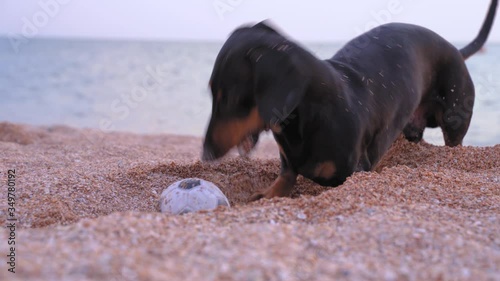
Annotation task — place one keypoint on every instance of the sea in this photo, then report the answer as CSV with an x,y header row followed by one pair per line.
x,y
162,87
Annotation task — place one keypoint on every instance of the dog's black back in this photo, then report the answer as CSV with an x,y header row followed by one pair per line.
x,y
333,117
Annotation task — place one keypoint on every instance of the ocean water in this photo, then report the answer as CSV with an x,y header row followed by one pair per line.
x,y
161,87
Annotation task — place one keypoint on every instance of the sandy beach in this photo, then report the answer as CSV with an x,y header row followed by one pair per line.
x,y
87,209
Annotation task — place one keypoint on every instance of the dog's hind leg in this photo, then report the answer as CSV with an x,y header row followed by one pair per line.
x,y
457,93
414,130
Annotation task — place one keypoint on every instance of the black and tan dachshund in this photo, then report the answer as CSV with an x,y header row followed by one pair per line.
x,y
334,117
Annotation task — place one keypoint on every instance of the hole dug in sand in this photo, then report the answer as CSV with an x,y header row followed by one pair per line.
x,y
238,178
409,173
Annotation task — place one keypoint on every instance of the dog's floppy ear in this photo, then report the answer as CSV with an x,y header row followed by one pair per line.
x,y
279,84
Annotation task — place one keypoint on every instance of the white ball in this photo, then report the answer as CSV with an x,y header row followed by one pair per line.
x,y
191,195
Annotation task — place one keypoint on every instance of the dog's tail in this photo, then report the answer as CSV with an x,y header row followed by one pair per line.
x,y
479,41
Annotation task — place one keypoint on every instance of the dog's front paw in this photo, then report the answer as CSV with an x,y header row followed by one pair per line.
x,y
269,193
256,197
281,187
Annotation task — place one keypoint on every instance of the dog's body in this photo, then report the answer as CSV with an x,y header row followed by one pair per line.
x,y
334,117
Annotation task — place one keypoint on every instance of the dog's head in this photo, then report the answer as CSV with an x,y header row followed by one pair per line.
x,y
257,81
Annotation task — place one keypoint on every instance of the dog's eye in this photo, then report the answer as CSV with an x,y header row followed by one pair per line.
x,y
236,101
247,101
232,100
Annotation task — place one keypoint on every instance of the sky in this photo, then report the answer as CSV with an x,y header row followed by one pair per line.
x,y
312,21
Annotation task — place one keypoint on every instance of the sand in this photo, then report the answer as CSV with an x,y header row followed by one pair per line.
x,y
87,208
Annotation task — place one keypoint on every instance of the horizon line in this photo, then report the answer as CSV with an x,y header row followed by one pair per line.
x,y
186,40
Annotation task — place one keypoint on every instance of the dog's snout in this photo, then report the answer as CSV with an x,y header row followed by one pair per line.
x,y
211,151
208,154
